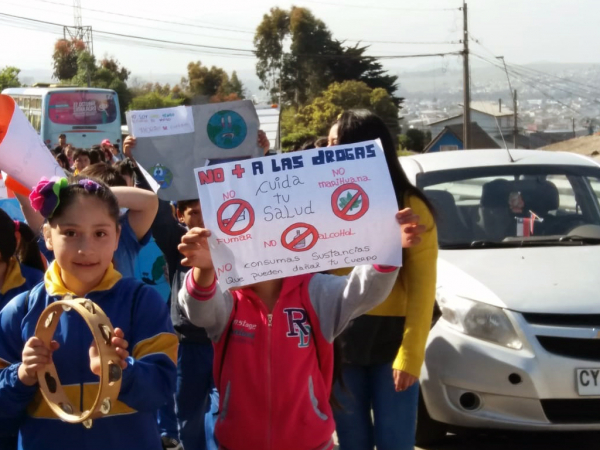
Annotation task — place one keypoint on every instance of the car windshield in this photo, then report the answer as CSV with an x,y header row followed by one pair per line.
x,y
515,205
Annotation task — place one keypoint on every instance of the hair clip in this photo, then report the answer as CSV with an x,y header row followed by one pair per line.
x,y
17,225
90,185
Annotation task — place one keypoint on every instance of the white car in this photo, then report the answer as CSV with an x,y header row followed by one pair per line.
x,y
517,346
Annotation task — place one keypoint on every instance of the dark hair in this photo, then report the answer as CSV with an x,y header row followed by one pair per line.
x,y
105,173
362,125
63,135
63,161
57,150
68,195
126,167
182,205
28,252
80,152
96,156
321,142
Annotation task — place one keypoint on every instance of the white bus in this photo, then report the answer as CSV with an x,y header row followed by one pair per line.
x,y
85,115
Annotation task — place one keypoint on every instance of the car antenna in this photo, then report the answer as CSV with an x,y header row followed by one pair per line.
x,y
504,140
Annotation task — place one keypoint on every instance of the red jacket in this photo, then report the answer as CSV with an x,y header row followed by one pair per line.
x,y
274,371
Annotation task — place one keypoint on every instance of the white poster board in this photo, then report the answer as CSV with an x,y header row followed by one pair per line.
x,y
23,154
171,142
297,213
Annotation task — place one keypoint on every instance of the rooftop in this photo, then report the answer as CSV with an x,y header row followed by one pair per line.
x,y
585,145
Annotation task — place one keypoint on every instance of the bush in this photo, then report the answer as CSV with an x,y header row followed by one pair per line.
x,y
294,140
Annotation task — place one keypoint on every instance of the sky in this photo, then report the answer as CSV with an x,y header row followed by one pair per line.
x,y
523,31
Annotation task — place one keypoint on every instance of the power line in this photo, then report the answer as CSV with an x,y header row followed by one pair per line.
x,y
386,8
403,42
532,85
129,24
134,37
211,27
588,91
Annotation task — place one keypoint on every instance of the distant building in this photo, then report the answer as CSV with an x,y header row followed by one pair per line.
x,y
451,138
493,118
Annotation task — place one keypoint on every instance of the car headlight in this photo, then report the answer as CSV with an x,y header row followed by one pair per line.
x,y
479,320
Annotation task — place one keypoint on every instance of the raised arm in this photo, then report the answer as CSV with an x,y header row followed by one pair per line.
x,y
34,219
142,206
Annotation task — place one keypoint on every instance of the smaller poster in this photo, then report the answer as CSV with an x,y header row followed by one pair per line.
x,y
171,142
161,122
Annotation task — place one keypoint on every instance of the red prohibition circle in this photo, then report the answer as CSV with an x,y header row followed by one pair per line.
x,y
343,213
310,230
226,225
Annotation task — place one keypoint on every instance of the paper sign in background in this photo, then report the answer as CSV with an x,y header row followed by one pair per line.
x,y
298,213
171,142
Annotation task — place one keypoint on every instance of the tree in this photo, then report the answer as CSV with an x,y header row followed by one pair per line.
x,y
314,61
9,77
318,116
107,75
154,100
268,41
414,140
214,84
65,58
204,81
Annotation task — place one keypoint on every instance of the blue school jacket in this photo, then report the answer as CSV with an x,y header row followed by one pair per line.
x,y
148,381
19,278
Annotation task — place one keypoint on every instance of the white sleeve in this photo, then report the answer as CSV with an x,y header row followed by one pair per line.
x,y
339,299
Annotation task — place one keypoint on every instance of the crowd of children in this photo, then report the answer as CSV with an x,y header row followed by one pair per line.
x,y
207,369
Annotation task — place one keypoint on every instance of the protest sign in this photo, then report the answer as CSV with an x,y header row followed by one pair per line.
x,y
23,154
171,142
299,213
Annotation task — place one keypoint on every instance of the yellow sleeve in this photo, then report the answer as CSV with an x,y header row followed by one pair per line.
x,y
418,275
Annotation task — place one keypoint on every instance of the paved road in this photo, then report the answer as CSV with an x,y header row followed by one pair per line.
x,y
520,441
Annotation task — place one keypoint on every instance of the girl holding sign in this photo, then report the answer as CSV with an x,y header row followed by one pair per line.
x,y
82,228
383,350
273,345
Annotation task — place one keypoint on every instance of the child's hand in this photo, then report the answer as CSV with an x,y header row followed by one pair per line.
x,y
35,357
120,345
410,228
194,248
263,141
128,145
403,380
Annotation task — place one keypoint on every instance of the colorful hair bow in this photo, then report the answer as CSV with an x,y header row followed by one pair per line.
x,y
45,197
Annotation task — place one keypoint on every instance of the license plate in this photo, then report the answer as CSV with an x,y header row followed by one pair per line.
x,y
588,381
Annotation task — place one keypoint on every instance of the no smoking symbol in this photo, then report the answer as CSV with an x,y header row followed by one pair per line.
x,y
299,237
350,202
235,217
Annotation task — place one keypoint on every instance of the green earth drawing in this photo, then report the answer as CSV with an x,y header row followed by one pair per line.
x,y
227,129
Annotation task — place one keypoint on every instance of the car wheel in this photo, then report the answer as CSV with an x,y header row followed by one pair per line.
x,y
429,431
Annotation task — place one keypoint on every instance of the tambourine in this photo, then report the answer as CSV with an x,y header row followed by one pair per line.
x,y
111,373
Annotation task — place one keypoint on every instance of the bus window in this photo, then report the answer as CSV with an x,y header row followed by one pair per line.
x,y
82,108
36,103
25,103
36,121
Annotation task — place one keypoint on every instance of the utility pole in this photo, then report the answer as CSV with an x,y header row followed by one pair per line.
x,y
516,126
574,133
80,33
466,82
